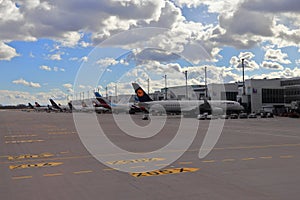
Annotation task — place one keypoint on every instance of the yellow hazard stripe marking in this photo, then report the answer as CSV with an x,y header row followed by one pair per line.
x,y
37,165
142,160
164,172
29,156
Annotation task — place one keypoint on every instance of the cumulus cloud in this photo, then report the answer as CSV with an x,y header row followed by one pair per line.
x,y
67,85
21,97
83,59
277,56
273,6
7,52
286,73
46,68
188,3
56,56
272,65
249,64
105,62
55,69
21,81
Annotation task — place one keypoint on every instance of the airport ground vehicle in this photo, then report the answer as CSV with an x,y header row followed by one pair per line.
x,y
243,116
202,116
252,115
234,116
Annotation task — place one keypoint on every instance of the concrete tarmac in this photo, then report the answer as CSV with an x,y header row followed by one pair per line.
x,y
42,157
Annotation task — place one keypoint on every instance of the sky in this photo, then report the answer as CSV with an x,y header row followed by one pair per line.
x,y
59,49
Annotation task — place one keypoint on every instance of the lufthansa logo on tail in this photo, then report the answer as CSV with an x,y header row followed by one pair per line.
x,y
140,93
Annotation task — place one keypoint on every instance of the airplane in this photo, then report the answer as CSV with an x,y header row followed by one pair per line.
x,y
61,108
117,108
93,105
88,105
186,107
39,108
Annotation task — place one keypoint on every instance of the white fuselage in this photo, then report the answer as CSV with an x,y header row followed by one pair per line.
x,y
175,106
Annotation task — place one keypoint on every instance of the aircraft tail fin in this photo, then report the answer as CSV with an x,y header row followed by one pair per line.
x,y
97,94
71,106
104,103
141,94
37,104
54,104
30,105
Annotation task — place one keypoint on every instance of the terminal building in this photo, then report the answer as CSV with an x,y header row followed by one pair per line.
x,y
271,95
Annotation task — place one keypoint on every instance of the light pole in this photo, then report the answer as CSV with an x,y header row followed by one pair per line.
x,y
243,66
116,93
106,92
166,93
186,90
205,81
148,80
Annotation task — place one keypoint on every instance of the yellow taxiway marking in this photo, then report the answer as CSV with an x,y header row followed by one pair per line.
x,y
228,160
259,147
29,156
135,167
266,157
142,160
23,141
50,175
21,177
209,161
61,133
185,163
289,156
4,156
110,169
161,165
64,152
245,159
16,136
164,172
83,172
38,165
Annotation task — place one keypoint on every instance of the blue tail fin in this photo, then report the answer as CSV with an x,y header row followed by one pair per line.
x,y
141,94
97,94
